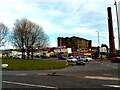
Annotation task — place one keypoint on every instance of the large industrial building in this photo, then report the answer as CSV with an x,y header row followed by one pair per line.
x,y
74,42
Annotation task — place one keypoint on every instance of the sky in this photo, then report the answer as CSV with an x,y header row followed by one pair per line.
x,y
63,18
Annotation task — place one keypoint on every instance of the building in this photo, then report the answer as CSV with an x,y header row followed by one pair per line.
x,y
74,42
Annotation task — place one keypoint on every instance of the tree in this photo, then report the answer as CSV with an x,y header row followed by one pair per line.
x,y
18,36
3,33
29,36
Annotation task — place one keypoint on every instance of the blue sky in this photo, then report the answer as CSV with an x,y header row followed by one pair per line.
x,y
63,18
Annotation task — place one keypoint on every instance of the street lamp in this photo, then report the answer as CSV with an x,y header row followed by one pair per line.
x,y
98,38
98,44
117,25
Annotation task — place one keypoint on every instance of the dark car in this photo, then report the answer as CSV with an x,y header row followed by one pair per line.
x,y
44,56
80,62
62,58
115,59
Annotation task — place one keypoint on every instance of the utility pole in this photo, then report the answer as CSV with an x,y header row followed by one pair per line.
x,y
98,44
117,25
98,38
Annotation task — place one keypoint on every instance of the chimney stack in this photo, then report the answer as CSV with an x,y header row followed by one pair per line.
x,y
111,34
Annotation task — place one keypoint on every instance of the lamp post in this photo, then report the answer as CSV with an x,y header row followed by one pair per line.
x,y
98,44
117,25
98,38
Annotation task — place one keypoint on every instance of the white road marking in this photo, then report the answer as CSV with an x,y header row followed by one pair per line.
x,y
43,74
25,84
115,86
101,78
20,74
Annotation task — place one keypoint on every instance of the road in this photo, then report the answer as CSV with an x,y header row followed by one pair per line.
x,y
95,74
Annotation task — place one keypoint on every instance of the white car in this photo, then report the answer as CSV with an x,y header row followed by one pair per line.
x,y
86,58
71,59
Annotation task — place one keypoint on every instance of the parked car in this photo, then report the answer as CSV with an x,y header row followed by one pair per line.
x,y
80,62
71,59
78,57
86,58
62,58
17,56
115,59
37,55
44,56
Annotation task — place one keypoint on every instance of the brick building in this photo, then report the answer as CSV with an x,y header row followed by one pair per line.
x,y
74,43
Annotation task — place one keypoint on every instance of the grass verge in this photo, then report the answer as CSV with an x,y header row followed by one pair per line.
x,y
21,64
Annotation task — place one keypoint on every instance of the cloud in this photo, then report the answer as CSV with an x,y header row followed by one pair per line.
x,y
55,12
62,17
10,10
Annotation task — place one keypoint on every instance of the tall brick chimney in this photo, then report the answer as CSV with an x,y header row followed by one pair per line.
x,y
111,34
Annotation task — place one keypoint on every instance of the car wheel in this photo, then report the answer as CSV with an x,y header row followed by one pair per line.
x,y
84,64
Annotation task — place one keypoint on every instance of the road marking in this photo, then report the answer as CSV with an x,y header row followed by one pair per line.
x,y
101,78
20,74
115,86
43,74
25,84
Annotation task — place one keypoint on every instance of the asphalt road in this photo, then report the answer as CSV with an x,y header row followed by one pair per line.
x,y
95,74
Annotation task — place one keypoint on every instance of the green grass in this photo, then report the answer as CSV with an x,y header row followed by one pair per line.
x,y
21,64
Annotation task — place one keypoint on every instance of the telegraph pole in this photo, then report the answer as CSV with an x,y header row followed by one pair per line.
x,y
117,25
98,44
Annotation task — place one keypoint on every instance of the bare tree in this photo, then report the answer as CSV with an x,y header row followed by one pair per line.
x,y
35,38
39,39
29,36
3,33
18,36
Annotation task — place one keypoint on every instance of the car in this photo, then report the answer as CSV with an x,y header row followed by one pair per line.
x,y
44,56
62,58
80,62
71,59
78,57
86,58
115,59
36,55
17,56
